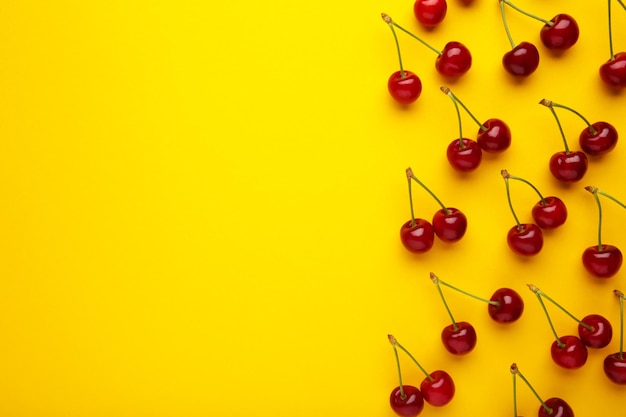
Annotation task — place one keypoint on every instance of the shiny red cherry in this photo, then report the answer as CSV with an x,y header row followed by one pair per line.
x,y
454,61
525,239
417,236
615,367
459,339
549,213
409,405
450,224
522,60
599,335
464,155
562,34
613,71
495,138
569,352
404,86
602,141
438,388
430,12
569,166
558,406
509,308
602,262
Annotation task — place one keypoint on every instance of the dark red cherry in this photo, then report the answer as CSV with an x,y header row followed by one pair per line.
x,y
571,353
525,239
510,306
464,154
568,166
601,333
602,262
454,61
449,224
497,137
615,367
430,12
550,213
438,389
603,141
417,236
404,90
613,71
410,405
559,408
562,34
459,339
522,60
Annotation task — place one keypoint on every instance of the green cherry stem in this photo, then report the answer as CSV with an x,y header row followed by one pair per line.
x,y
514,394
506,177
610,197
411,176
513,177
506,26
547,22
547,297
446,91
549,105
545,310
620,295
610,31
621,3
435,280
594,192
395,343
515,371
435,50
388,20
442,282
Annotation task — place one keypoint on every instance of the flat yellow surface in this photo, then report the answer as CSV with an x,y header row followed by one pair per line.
x,y
201,204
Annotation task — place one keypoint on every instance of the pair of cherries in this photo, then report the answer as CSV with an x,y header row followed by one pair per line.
x,y
418,235
550,212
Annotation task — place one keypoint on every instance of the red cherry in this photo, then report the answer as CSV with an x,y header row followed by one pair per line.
x,y
525,239
522,60
464,154
602,262
613,71
562,34
495,137
558,406
410,404
430,12
509,308
549,213
595,331
450,224
459,339
454,61
404,89
598,139
568,166
417,235
569,352
615,368
438,388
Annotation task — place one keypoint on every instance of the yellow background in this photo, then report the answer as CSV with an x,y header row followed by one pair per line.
x,y
201,204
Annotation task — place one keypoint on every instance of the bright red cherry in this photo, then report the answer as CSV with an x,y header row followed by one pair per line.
x,y
615,364
595,331
549,212
509,307
525,239
552,407
417,235
598,138
569,352
464,154
454,61
568,166
522,60
613,71
406,401
430,13
404,86
561,33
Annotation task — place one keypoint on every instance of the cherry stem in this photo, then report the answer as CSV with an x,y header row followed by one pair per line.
x,y
547,297
543,200
388,20
435,50
514,394
394,342
458,116
549,105
506,177
411,176
547,22
435,279
515,371
610,197
545,310
506,26
610,31
621,3
594,192
620,295
447,91
493,303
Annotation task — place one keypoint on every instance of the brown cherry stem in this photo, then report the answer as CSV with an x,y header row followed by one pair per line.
x,y
545,310
596,190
